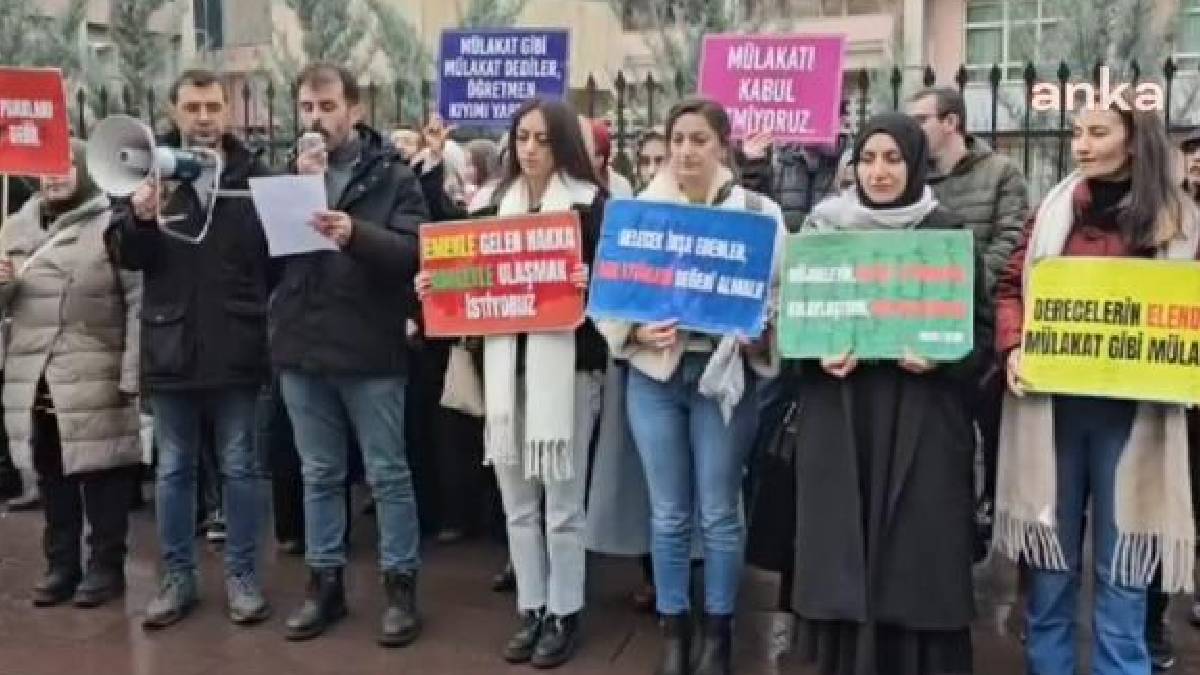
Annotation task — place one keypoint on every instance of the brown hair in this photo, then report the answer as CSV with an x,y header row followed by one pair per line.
x,y
196,77
948,102
712,112
1153,212
323,73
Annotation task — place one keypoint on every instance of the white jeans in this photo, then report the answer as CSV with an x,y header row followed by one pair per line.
x,y
546,544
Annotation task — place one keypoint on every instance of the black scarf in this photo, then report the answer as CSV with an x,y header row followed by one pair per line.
x,y
913,147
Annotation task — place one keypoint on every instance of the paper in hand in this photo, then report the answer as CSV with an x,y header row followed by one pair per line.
x,y
286,205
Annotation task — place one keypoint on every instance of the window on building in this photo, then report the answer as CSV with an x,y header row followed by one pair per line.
x,y
1008,33
1187,41
209,23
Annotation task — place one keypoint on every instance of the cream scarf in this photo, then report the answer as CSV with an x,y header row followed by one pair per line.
x,y
540,410
1153,501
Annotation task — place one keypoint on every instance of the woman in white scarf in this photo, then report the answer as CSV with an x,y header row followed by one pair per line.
x,y
542,394
692,418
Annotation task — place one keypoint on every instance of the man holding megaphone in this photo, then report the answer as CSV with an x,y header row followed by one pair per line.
x,y
204,332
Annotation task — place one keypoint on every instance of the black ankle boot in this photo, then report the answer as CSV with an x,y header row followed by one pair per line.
x,y
522,644
103,582
324,605
558,642
401,623
57,587
677,645
716,656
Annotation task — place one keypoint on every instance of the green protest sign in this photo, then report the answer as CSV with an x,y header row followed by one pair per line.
x,y
877,293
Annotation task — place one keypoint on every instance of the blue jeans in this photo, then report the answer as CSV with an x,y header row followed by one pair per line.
x,y
324,411
1089,436
689,455
177,433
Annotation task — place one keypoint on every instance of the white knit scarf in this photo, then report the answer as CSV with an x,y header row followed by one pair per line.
x,y
1153,504
540,412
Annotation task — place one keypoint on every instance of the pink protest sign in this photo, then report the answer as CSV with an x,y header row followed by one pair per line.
x,y
789,85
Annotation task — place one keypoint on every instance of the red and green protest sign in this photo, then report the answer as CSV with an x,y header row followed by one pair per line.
x,y
878,294
502,275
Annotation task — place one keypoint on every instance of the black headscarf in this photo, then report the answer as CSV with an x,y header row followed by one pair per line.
x,y
913,147
85,187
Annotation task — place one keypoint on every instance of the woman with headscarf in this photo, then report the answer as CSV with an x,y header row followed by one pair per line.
x,y
71,380
883,459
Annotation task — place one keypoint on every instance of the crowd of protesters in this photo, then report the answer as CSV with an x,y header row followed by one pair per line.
x,y
274,385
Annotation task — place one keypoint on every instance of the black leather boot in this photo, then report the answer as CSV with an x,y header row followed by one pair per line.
x,y
401,623
57,587
558,642
324,604
677,645
522,644
716,656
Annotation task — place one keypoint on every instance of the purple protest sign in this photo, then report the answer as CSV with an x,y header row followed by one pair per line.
x,y
789,85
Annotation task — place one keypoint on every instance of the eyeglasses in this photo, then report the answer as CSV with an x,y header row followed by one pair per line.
x,y
652,160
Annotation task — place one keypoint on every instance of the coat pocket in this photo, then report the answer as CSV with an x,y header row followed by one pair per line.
x,y
168,347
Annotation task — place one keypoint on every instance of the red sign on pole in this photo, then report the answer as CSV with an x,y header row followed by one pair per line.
x,y
35,138
502,275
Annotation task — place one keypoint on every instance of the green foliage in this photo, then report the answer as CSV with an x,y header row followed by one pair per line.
x,y
490,13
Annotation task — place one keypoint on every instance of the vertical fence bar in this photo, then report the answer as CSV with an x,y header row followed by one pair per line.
x,y
152,108
994,81
295,91
426,95
590,94
897,81
961,78
1169,77
80,108
270,93
623,166
246,95
103,101
127,102
1064,74
930,77
864,87
373,97
650,85
1030,76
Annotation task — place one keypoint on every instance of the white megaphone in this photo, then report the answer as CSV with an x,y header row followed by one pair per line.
x,y
122,154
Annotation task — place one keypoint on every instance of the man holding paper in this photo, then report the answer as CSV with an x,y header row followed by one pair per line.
x,y
204,345
337,338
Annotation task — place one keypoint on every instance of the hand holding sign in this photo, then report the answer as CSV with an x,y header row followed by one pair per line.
x,y
758,145
840,366
335,225
1015,384
659,335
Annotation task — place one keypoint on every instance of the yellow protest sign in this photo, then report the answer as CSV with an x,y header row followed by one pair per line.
x,y
1115,328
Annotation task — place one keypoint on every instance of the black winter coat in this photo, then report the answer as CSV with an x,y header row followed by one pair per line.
x,y
204,307
343,312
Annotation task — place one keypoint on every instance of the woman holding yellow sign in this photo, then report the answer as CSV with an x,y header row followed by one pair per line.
x,y
1058,453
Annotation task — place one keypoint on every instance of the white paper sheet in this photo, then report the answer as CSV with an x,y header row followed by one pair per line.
x,y
286,205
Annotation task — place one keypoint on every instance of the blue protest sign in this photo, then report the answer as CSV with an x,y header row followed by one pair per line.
x,y
485,75
707,268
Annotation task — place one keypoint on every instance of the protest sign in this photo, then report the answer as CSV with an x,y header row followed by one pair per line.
x,y
877,294
707,268
1113,327
35,138
502,275
789,85
484,76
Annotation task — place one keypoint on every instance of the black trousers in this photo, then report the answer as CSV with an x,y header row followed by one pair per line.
x,y
100,496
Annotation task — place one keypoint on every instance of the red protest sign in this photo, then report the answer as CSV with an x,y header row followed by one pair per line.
x,y
35,139
502,275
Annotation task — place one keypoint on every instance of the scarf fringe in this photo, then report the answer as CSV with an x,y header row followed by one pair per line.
x,y
1139,555
549,460
500,449
1034,542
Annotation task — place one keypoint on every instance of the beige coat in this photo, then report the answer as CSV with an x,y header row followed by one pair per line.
x,y
72,318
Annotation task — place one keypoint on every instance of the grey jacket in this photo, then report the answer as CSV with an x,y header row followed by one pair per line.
x,y
987,191
74,320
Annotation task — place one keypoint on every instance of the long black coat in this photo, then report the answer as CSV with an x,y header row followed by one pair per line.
x,y
204,310
884,488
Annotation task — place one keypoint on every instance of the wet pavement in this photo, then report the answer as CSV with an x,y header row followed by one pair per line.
x,y
466,623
